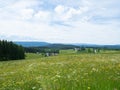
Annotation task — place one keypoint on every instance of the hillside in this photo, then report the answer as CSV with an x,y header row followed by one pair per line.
x,y
61,46
67,71
32,44
65,46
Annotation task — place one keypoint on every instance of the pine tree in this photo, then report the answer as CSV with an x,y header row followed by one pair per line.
x,y
11,51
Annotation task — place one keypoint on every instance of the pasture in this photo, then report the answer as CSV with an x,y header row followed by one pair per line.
x,y
67,71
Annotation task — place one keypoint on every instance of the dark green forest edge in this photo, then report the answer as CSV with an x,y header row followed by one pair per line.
x,y
56,48
11,51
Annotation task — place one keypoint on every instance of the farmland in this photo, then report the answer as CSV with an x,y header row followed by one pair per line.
x,y
67,71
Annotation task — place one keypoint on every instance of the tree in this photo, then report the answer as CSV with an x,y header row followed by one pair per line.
x,y
11,51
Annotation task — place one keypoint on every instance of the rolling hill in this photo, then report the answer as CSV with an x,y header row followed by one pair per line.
x,y
65,46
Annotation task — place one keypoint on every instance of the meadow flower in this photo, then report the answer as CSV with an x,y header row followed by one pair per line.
x,y
40,89
88,88
94,70
33,88
74,71
58,76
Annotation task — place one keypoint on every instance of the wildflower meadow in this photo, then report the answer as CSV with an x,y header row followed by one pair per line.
x,y
68,71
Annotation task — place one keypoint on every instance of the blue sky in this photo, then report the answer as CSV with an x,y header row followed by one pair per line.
x,y
61,21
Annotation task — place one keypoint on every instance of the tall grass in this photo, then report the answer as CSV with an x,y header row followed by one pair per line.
x,y
63,72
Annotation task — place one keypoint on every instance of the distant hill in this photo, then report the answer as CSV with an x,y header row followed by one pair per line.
x,y
61,46
32,44
112,46
46,45
65,46
99,46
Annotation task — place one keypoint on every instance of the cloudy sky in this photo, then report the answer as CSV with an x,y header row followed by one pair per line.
x,y
61,21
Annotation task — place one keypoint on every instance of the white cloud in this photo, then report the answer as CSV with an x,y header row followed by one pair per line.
x,y
42,16
67,21
59,9
64,13
26,13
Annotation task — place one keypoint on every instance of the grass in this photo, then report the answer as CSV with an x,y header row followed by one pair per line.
x,y
69,71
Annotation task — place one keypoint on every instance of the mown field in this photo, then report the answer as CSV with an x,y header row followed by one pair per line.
x,y
67,71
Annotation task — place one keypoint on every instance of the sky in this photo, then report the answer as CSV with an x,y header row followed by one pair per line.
x,y
61,21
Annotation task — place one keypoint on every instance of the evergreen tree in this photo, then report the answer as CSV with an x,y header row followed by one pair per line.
x,y
11,51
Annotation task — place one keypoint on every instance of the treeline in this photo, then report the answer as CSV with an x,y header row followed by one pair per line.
x,y
52,48
55,48
41,50
10,51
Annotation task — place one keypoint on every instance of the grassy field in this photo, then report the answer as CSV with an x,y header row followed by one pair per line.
x,y
67,71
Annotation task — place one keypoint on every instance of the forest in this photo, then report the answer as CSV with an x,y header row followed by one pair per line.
x,y
11,51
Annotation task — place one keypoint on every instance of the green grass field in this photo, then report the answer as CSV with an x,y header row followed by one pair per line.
x,y
67,71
